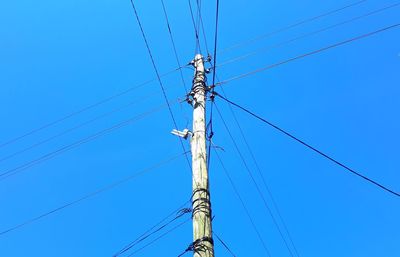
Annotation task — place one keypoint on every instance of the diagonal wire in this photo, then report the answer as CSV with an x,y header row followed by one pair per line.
x,y
201,23
158,77
156,228
254,181
103,101
224,244
310,53
243,204
90,195
215,42
82,110
311,147
159,237
198,21
196,32
264,49
50,155
173,44
37,144
297,24
274,203
210,123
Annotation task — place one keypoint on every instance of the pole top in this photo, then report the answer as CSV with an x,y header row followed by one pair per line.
x,y
198,57
198,62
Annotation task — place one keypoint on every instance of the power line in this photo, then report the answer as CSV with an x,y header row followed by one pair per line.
x,y
274,203
13,171
174,49
224,244
309,53
156,228
254,181
215,41
158,78
235,59
311,147
210,123
92,194
198,19
210,134
105,100
159,237
201,23
198,22
213,83
198,45
242,203
73,128
82,110
173,43
294,25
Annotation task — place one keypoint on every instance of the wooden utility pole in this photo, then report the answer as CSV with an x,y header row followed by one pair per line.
x,y
203,244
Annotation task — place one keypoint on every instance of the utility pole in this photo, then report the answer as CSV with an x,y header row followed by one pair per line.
x,y
203,244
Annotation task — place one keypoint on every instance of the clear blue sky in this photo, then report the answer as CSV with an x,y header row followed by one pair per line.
x,y
59,56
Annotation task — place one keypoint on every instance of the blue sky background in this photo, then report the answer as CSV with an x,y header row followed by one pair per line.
x,y
57,57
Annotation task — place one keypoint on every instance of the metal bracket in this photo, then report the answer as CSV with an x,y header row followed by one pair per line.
x,y
183,134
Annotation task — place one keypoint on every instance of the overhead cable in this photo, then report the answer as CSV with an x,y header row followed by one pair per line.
x,y
210,123
156,228
260,173
105,100
90,195
310,53
264,49
358,174
215,42
258,189
82,110
52,154
201,23
224,244
159,78
173,43
161,236
294,25
69,130
254,226
196,32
